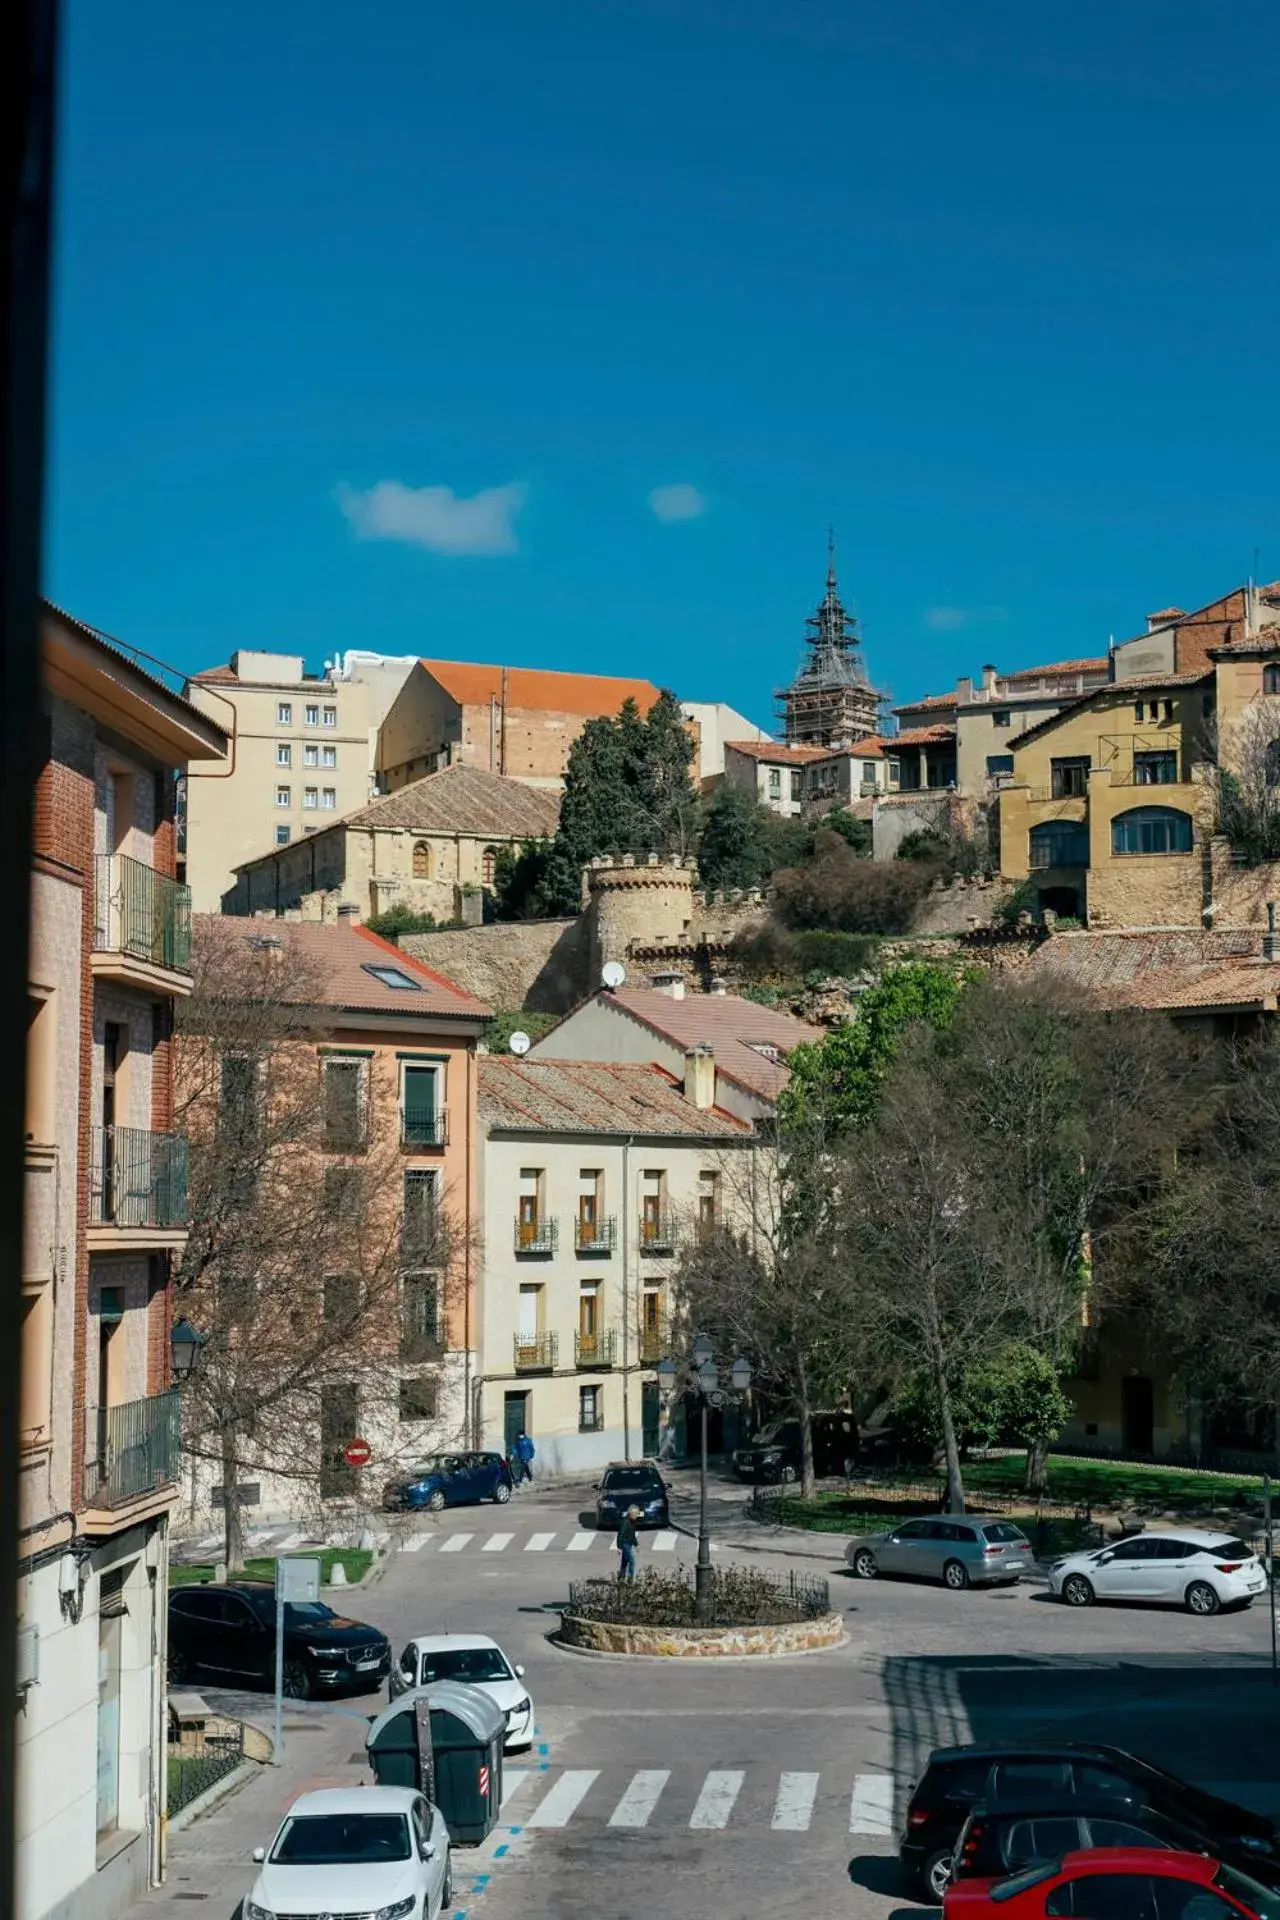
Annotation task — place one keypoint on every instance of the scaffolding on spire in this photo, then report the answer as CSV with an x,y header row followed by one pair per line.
x,y
831,698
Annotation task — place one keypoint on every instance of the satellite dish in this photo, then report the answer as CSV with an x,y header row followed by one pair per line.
x,y
519,1043
613,974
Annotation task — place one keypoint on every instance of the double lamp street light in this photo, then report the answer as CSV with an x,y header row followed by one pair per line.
x,y
702,1378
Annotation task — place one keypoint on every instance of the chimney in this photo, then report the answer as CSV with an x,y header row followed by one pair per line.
x,y
700,1077
347,910
1270,939
718,987
672,984
964,690
989,678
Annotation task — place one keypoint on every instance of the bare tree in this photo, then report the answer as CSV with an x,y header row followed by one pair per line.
x,y
1246,775
299,1264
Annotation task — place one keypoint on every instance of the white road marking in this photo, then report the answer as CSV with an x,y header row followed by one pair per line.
x,y
715,1802
456,1542
416,1542
496,1542
665,1542
640,1799
513,1779
580,1542
793,1808
871,1809
564,1799
538,1542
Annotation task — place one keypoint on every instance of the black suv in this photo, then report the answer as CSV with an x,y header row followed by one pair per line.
x,y
958,1779
777,1453
229,1633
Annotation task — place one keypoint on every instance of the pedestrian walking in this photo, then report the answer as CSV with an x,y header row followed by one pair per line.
x,y
525,1451
627,1540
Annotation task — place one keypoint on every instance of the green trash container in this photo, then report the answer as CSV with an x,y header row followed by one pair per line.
x,y
463,1773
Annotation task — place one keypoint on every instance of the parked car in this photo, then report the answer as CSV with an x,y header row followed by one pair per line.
x,y
1203,1572
777,1452
957,1779
1117,1883
449,1480
1007,1836
973,1552
368,1850
476,1661
229,1634
632,1484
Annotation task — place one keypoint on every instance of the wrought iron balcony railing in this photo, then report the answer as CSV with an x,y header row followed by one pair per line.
x,y
424,1127
139,1447
595,1236
138,1179
537,1353
595,1349
537,1236
141,912
655,1341
657,1233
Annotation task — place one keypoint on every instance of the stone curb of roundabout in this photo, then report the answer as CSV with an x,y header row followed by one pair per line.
x,y
579,1635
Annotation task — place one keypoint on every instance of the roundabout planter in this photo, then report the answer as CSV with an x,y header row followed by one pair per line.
x,y
746,1613
700,1643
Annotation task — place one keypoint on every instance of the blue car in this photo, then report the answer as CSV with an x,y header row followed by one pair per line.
x,y
449,1480
628,1484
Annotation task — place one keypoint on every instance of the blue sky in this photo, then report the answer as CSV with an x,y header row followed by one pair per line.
x,y
556,331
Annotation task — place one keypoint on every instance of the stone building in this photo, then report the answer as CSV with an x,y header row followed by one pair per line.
x,y
106,1219
432,846
518,721
831,698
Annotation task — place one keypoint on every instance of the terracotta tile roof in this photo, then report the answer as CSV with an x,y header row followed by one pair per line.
x,y
223,676
921,737
1100,663
462,799
588,1096
1164,613
734,1028
1143,683
927,701
1158,969
539,689
870,748
334,960
775,751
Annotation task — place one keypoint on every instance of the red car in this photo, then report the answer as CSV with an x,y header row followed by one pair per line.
x,y
1116,1883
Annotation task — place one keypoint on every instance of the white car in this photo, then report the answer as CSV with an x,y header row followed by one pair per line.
x,y
381,1852
1203,1572
476,1661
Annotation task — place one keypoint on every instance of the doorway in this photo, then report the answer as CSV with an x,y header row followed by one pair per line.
x,y
650,1418
1138,1414
515,1420
111,1611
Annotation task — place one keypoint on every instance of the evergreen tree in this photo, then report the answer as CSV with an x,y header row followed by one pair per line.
x,y
733,850
668,800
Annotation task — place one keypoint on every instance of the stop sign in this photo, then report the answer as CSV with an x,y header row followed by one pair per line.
x,y
357,1453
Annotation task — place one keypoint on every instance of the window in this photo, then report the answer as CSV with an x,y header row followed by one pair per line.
x,y
421,860
588,1316
1060,843
342,1191
331,716
590,1189
1139,711
418,1398
283,836
1151,830
1070,778
341,1298
41,1065
419,1122
708,1201
530,1205
310,796
1031,1779
999,763
489,866
420,1317
418,1234
329,756
312,716
1270,680
653,1196
797,786
1120,1896
329,798
284,754
1044,1839
1155,769
308,830
284,713
310,755
394,977
590,1419
239,1108
1168,709
344,1105
1000,718
775,783
284,796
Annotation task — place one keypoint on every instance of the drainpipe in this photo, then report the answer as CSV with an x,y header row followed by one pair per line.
x,y
626,1296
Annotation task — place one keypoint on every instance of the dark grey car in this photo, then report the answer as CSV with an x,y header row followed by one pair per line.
x,y
969,1552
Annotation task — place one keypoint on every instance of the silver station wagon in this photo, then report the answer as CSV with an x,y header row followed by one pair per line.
x,y
973,1551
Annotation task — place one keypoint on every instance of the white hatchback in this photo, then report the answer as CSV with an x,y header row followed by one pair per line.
x,y
475,1661
376,1851
1203,1572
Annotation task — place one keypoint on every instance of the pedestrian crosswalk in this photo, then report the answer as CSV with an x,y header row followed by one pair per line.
x,y
597,1542
668,1798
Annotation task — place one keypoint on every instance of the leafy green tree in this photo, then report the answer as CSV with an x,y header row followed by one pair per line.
x,y
1031,1406
733,850
856,832
841,1076
519,882
398,919
923,844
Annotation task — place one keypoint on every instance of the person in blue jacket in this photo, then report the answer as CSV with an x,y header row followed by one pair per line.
x,y
524,1452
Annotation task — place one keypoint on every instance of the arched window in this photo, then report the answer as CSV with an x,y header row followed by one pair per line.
x,y
1060,843
421,860
489,866
1271,679
1151,830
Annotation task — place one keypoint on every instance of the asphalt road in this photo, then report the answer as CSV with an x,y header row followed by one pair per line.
x,y
776,1787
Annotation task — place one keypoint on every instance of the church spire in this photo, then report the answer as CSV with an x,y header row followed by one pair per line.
x,y
831,697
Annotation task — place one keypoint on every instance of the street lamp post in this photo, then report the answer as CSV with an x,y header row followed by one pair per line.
x,y
703,1378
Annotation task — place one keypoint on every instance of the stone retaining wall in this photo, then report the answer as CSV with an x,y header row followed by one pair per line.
x,y
701,1643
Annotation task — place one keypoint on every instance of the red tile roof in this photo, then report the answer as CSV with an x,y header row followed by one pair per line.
x,y
1099,663
733,1028
776,751
921,737
538,689
926,702
331,963
590,1096
1158,969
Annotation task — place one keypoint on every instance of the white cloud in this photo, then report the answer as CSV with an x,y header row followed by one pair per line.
x,y
436,517
678,502
951,619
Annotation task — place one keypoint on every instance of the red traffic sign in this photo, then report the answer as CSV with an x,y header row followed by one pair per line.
x,y
357,1453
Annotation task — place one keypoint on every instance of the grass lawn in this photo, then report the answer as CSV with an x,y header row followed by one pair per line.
x,y
355,1561
837,1512
1115,1483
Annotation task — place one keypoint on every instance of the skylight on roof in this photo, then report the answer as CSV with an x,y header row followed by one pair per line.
x,y
393,977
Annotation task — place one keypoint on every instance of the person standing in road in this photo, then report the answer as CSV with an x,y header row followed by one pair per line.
x,y
525,1451
627,1541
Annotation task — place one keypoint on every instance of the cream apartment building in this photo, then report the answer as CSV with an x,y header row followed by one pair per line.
x,y
303,753
593,1177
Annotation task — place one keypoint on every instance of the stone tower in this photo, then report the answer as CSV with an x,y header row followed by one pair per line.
x,y
831,699
643,901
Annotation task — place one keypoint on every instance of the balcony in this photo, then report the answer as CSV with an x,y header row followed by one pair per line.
x,y
657,1233
538,1236
137,1188
595,1236
655,1341
138,1457
424,1127
594,1350
141,926
537,1353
